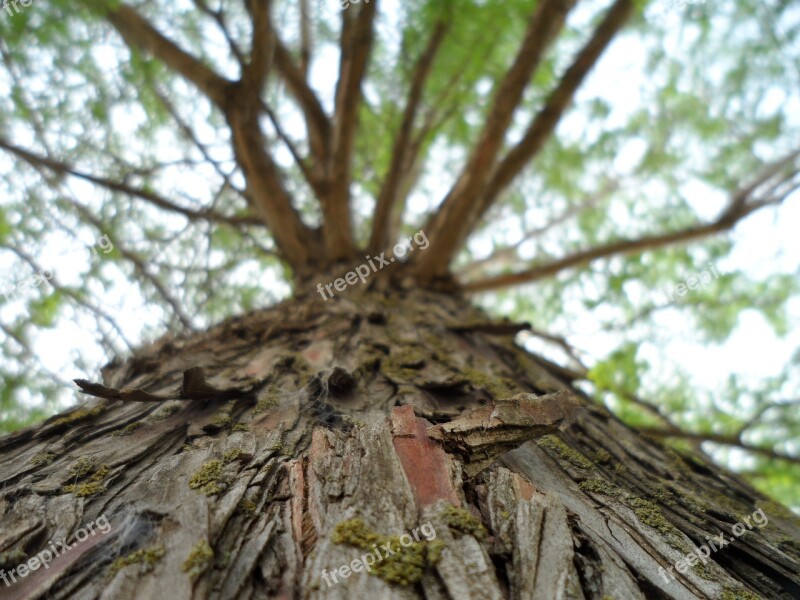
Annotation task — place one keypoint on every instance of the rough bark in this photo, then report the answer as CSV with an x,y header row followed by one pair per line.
x,y
396,407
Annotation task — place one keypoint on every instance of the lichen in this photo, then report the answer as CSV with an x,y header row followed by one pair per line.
x,y
44,458
247,508
462,522
221,420
602,456
78,415
206,478
650,514
498,387
739,594
405,567
199,559
129,429
404,362
555,444
596,485
91,487
231,455
267,399
84,490
12,558
240,427
146,558
703,571
81,467
167,412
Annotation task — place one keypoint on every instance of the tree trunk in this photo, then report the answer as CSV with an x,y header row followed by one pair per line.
x,y
307,444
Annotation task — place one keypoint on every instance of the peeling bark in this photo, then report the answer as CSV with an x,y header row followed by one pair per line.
x,y
397,408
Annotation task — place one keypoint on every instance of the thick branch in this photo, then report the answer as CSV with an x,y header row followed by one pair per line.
x,y
139,33
294,239
356,41
549,116
458,213
390,190
262,51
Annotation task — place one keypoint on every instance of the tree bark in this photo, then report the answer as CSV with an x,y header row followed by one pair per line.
x,y
319,428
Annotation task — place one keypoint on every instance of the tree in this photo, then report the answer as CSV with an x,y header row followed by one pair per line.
x,y
270,454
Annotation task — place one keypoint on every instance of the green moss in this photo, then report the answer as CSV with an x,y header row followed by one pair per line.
x,y
498,387
240,427
81,467
231,455
93,485
221,420
167,412
129,429
463,522
12,558
663,494
404,362
598,486
267,399
602,456
199,559
650,514
84,490
42,459
739,594
703,571
405,567
206,478
564,452
435,548
78,415
146,558
247,508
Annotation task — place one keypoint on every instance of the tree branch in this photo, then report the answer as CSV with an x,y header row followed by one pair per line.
x,y
219,18
262,46
724,440
295,240
62,168
390,190
459,211
317,122
356,41
559,99
138,266
509,253
738,208
138,32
